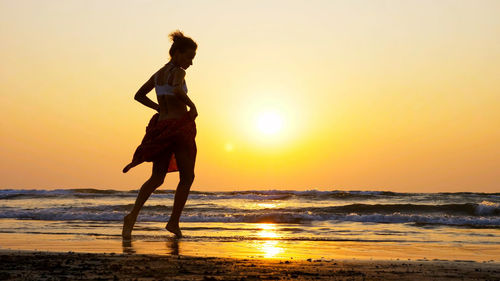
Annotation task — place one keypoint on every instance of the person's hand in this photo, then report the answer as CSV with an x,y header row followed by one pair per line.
x,y
193,113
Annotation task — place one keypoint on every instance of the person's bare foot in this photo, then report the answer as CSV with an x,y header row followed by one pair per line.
x,y
127,168
174,229
128,225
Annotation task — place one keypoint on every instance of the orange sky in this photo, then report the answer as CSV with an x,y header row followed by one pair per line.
x,y
369,95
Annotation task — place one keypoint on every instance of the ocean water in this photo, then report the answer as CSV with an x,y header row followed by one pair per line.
x,y
464,224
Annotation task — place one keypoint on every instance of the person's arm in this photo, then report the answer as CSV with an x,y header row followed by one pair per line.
x,y
179,75
141,97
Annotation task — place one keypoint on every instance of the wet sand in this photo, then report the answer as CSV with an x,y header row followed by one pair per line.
x,y
250,248
29,265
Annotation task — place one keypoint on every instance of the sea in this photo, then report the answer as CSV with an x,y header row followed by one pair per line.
x,y
259,223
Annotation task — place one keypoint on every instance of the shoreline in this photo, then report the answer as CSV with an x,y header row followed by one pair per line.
x,y
260,248
38,265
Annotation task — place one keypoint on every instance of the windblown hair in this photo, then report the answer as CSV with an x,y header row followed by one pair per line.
x,y
180,42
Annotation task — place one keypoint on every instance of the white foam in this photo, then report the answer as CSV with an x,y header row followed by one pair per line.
x,y
487,208
68,214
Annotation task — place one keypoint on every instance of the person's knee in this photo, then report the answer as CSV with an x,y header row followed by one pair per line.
x,y
156,181
186,178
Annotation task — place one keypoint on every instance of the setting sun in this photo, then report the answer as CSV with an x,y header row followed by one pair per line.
x,y
269,123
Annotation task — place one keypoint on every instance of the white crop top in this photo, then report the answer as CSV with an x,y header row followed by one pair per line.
x,y
166,89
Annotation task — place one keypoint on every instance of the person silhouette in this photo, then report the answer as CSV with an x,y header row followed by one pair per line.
x,y
169,141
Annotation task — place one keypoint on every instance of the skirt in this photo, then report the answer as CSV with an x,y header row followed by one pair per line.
x,y
162,138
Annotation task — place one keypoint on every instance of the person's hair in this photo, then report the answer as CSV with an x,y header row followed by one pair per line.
x,y
180,42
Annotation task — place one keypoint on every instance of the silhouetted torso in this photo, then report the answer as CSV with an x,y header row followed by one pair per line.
x,y
171,107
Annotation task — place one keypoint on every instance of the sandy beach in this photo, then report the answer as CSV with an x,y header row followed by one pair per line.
x,y
29,265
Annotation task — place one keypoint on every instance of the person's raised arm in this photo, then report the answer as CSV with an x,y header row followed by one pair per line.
x,y
179,75
141,97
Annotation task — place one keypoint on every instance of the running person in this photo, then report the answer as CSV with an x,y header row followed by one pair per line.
x,y
170,135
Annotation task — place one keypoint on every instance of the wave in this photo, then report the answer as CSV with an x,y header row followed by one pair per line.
x,y
239,195
261,216
484,208
245,195
488,208
274,218
461,208
59,193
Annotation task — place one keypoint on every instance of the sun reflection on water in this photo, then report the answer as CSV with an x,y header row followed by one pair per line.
x,y
270,248
266,205
267,230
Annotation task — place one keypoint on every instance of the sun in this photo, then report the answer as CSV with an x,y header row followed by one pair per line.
x,y
269,123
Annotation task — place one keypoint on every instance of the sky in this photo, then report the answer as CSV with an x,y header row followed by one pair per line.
x,y
328,95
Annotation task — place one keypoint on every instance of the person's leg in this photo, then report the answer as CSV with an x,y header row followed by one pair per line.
x,y
158,175
185,162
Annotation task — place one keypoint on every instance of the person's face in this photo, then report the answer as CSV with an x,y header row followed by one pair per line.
x,y
186,59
